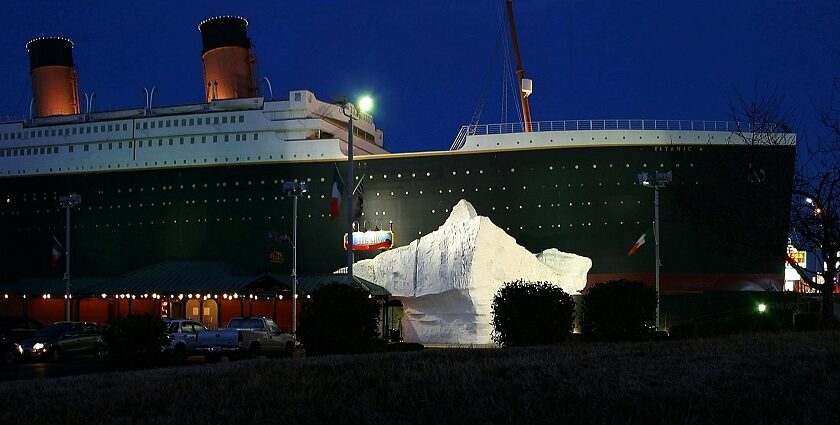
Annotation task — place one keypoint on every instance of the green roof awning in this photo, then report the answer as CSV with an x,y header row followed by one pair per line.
x,y
309,283
185,277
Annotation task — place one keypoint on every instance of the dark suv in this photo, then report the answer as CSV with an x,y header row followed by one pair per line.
x,y
64,339
12,330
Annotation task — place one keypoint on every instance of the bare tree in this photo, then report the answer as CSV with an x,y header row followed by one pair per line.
x,y
816,183
816,204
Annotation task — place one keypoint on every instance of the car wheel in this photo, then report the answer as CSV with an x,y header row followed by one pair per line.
x,y
254,351
290,349
8,358
180,354
101,351
55,355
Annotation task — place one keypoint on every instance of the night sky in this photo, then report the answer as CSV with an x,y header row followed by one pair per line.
x,y
427,63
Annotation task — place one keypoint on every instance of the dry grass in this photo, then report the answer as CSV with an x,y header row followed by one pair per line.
x,y
788,378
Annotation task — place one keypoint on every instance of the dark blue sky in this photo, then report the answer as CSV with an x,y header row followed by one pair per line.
x,y
425,62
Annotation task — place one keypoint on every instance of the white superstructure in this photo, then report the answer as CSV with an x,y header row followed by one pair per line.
x,y
249,130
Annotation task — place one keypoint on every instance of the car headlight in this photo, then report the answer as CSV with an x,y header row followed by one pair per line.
x,y
38,346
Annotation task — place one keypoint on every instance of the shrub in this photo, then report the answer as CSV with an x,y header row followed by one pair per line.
x,y
338,319
135,342
530,313
618,310
807,321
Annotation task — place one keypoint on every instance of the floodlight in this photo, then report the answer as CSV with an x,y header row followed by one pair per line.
x,y
365,104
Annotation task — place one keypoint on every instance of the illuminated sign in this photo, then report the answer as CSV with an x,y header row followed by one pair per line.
x,y
371,240
798,257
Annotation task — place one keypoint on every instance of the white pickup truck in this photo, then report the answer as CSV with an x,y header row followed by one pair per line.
x,y
245,336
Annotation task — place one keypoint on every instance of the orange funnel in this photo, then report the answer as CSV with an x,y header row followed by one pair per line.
x,y
54,82
229,63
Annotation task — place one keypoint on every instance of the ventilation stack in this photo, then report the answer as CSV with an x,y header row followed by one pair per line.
x,y
229,63
54,83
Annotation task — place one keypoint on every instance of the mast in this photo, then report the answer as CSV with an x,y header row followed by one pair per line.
x,y
525,85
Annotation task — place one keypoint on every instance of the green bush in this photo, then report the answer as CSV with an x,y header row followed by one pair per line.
x,y
338,319
531,313
619,310
807,321
135,342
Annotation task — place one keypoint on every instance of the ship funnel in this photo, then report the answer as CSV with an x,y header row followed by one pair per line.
x,y
229,63
54,82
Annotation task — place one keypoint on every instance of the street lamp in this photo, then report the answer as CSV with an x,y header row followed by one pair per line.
x,y
294,189
352,113
67,202
659,180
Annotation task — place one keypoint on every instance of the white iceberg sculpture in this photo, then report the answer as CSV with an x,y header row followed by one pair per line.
x,y
446,280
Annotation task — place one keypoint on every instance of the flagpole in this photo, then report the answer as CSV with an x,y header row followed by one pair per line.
x,y
351,112
656,240
68,201
349,186
67,266
658,180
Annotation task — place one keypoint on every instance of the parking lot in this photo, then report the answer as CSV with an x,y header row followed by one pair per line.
x,y
42,370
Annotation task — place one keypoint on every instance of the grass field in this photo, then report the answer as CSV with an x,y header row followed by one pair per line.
x,y
747,379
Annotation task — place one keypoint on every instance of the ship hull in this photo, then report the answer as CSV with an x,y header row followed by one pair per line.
x,y
722,228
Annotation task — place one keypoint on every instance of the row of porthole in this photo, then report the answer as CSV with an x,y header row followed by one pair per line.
x,y
512,170
148,164
231,219
275,198
152,188
259,158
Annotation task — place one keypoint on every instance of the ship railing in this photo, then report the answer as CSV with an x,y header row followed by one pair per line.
x,y
577,125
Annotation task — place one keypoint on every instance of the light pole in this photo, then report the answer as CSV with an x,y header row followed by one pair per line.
x,y
67,202
660,179
294,189
350,111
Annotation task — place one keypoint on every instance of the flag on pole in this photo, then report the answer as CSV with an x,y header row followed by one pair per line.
x,y
359,205
338,191
642,239
56,252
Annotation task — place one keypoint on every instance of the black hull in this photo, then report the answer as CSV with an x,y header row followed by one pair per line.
x,y
725,214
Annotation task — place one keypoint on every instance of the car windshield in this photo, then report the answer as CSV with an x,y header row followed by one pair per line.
x,y
52,331
246,323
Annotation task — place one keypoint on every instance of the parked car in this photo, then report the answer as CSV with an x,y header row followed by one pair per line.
x,y
12,330
245,336
17,328
183,335
64,339
10,352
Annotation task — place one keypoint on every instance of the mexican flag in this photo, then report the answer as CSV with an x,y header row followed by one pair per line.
x,y
337,192
648,235
56,252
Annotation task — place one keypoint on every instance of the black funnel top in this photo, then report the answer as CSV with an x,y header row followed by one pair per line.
x,y
223,31
50,51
